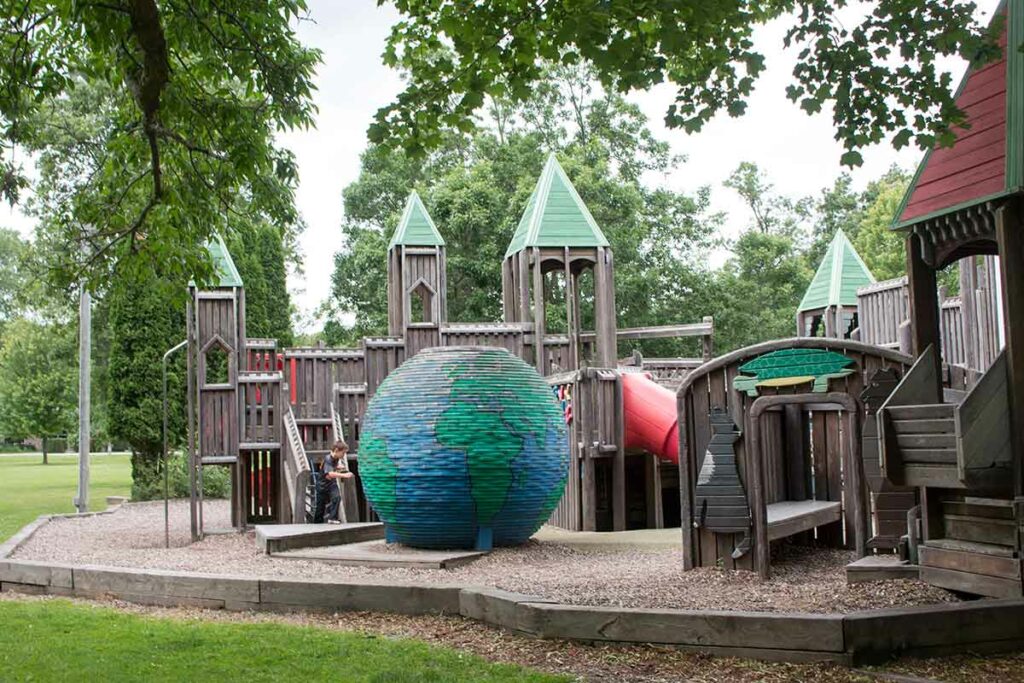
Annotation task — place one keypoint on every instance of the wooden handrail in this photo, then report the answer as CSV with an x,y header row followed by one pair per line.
x,y
296,465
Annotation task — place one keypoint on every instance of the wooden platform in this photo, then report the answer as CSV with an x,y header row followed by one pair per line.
x,y
274,538
880,568
378,554
789,517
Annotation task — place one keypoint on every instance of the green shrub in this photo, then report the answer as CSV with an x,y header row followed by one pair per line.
x,y
147,485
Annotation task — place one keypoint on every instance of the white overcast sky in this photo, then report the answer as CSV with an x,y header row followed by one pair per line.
x,y
797,151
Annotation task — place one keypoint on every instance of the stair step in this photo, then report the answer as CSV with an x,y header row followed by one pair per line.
x,y
925,426
928,456
973,509
981,529
926,412
971,547
989,502
945,440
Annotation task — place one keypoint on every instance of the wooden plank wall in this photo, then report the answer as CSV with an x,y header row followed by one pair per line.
x,y
216,316
507,336
350,402
260,403
951,329
969,324
312,374
881,308
823,436
382,356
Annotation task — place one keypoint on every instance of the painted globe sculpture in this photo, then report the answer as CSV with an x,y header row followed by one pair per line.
x,y
463,447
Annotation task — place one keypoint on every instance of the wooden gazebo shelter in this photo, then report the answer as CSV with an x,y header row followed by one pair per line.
x,y
829,306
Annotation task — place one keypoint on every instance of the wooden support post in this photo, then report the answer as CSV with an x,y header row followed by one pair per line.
x,y
1010,239
508,299
652,484
539,326
606,351
686,482
571,321
619,462
588,485
708,340
924,308
522,265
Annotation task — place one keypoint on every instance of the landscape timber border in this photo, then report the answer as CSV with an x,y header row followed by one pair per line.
x,y
870,636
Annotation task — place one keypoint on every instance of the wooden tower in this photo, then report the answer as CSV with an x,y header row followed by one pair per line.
x,y
557,233
216,336
966,452
417,283
829,306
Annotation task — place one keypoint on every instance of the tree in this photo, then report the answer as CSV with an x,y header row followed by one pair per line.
x,y
259,255
145,321
37,381
773,213
158,119
878,74
477,188
13,278
881,248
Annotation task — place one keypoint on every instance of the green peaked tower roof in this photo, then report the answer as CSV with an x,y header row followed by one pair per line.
x,y
840,274
223,265
555,216
416,229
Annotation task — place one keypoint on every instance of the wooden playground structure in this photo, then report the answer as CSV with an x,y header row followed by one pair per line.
x,y
892,425
271,414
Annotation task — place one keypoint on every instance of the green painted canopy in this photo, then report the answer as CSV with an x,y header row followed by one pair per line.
x,y
841,272
416,229
223,264
555,216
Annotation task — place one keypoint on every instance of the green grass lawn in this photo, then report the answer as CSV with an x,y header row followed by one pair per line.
x,y
57,640
29,488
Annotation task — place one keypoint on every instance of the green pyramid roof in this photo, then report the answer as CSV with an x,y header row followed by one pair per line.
x,y
223,264
416,229
840,274
555,216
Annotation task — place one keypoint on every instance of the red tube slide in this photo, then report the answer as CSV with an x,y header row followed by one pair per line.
x,y
650,415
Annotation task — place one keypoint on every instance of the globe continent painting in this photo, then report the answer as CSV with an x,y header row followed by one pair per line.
x,y
463,447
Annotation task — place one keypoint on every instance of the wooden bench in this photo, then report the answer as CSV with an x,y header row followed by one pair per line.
x,y
789,517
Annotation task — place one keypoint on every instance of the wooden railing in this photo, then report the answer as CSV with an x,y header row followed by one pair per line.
x,y
296,467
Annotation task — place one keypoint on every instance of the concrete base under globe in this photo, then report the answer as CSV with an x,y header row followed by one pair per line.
x,y
384,555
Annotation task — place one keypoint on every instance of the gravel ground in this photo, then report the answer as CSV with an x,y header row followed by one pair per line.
x,y
603,663
802,579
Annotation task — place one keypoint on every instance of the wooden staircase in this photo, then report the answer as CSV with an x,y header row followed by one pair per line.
x,y
947,445
979,551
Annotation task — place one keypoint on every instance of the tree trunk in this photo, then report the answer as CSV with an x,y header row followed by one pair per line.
x,y
46,458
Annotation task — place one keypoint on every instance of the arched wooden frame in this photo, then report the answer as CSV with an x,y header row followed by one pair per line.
x,y
216,341
693,398
431,305
853,467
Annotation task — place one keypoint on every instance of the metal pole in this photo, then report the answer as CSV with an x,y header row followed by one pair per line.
x,y
167,514
84,387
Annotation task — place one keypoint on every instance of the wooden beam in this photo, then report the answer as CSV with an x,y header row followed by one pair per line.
x,y
701,329
1010,240
924,307
538,312
606,351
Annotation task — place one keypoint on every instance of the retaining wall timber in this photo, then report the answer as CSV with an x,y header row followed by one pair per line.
x,y
859,637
